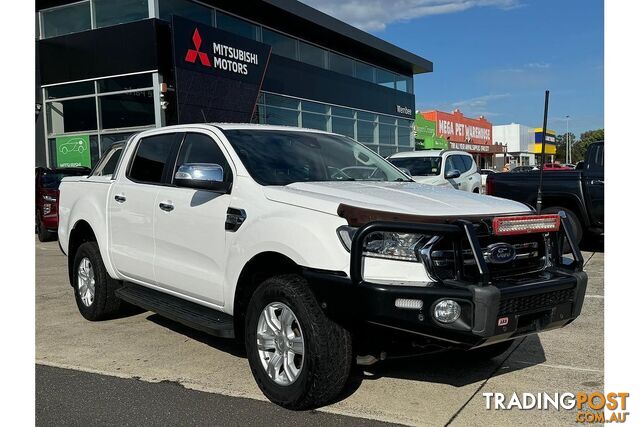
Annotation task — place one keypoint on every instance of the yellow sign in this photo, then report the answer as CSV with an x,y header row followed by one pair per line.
x,y
548,148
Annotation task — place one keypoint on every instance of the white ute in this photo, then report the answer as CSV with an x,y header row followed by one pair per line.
x,y
261,233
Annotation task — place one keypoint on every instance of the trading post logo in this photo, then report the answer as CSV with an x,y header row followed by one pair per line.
x,y
590,406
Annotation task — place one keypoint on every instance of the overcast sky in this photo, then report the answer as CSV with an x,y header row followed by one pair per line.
x,y
496,57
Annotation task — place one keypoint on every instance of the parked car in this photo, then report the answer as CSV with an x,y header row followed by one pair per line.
x,y
245,231
579,192
47,182
524,168
448,168
484,173
557,166
569,165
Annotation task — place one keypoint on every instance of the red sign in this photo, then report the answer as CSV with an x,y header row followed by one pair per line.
x,y
192,54
458,128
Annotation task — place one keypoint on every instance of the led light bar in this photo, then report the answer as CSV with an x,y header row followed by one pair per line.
x,y
510,225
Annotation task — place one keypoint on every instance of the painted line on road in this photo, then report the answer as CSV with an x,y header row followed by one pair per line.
x,y
572,368
594,296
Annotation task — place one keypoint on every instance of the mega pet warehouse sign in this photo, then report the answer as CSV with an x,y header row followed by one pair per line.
x,y
73,151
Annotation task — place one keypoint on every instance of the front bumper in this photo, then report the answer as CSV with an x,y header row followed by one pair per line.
x,y
492,310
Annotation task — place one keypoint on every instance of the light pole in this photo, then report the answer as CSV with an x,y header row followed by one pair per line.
x,y
567,143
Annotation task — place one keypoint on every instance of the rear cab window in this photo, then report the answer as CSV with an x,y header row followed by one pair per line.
x,y
149,163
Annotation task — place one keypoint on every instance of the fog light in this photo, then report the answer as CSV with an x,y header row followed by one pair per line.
x,y
446,311
411,304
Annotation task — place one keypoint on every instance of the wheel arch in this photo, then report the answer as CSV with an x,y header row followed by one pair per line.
x,y
81,232
259,268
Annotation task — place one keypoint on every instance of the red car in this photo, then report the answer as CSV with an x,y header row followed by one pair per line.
x,y
47,182
556,167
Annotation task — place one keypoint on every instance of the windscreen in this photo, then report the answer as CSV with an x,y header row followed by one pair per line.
x,y
419,166
285,157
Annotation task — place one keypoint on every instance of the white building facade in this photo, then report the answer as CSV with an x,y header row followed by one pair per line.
x,y
520,141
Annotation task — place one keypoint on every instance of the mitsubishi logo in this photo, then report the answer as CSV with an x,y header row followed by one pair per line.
x,y
192,54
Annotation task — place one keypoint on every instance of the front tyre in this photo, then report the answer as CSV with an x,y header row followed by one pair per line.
x,y
298,356
93,287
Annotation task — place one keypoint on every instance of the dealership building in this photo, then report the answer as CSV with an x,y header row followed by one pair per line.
x,y
108,68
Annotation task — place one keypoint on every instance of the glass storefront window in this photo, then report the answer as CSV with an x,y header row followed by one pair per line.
x,y
107,140
112,12
404,83
404,137
312,55
186,9
72,115
385,151
314,121
387,134
279,116
387,120
125,83
343,126
315,107
385,78
362,115
237,26
366,132
280,44
365,72
281,101
127,110
74,89
342,112
66,19
340,64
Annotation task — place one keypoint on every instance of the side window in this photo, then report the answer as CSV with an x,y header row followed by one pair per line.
x,y
468,163
107,165
151,158
455,162
449,165
199,148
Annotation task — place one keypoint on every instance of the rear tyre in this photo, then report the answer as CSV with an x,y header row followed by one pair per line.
x,y
44,235
298,356
574,222
93,287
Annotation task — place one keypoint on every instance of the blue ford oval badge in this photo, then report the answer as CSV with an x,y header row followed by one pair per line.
x,y
500,253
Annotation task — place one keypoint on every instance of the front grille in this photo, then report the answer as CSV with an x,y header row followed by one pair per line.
x,y
526,304
530,252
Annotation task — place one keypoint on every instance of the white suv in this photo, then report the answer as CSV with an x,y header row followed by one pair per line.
x,y
459,171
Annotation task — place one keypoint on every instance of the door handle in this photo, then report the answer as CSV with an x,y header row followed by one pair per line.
x,y
120,198
166,206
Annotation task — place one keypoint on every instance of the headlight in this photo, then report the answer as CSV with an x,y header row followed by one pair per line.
x,y
383,244
48,198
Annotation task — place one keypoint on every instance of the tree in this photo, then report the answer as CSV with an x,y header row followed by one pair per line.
x,y
562,146
579,149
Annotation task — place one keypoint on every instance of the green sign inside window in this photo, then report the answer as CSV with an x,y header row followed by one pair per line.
x,y
73,151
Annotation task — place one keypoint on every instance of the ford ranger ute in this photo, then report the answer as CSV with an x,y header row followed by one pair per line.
x,y
260,233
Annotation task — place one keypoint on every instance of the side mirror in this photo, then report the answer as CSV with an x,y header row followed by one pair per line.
x,y
453,173
201,176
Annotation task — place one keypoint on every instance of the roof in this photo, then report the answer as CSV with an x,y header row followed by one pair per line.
x,y
307,23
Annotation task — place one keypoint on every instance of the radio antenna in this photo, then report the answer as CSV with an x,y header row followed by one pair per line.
x,y
544,140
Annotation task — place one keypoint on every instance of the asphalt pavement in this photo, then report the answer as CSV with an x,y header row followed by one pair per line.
x,y
145,370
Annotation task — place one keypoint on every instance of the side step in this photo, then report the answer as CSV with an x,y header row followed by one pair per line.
x,y
194,315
